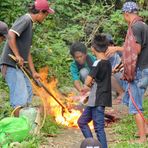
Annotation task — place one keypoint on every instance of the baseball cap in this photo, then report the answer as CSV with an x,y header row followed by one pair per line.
x,y
3,29
90,143
43,5
130,7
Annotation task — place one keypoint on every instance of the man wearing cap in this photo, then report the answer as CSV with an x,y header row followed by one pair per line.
x,y
135,55
19,44
3,31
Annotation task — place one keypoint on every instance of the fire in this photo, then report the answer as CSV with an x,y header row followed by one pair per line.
x,y
62,116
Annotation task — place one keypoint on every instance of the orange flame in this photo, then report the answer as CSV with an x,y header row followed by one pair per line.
x,y
52,107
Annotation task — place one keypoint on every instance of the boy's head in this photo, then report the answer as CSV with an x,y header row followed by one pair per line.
x,y
3,31
79,52
41,9
99,44
110,40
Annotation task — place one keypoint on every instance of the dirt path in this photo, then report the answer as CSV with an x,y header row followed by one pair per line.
x,y
72,137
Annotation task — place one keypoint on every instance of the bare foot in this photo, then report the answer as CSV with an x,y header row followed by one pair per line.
x,y
137,134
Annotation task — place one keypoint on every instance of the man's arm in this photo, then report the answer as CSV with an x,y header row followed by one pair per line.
x,y
31,66
13,46
112,49
138,31
75,76
30,62
18,27
88,81
77,85
138,47
87,85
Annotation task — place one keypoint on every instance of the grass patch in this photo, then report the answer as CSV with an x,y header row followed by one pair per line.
x,y
5,108
35,141
126,129
32,141
50,126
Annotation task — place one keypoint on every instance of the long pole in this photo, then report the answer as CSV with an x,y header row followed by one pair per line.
x,y
40,84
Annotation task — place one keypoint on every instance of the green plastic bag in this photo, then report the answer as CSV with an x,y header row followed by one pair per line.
x,y
13,129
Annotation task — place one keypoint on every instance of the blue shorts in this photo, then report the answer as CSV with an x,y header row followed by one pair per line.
x,y
19,87
122,83
138,88
143,83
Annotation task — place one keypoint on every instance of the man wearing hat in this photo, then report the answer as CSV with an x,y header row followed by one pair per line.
x,y
3,31
19,44
135,55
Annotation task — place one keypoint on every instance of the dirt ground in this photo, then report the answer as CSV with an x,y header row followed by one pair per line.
x,y
72,137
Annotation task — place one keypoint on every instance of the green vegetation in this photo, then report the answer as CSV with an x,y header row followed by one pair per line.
x,y
125,131
73,21
32,141
50,126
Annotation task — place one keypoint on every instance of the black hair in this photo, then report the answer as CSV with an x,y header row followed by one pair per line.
x,y
78,46
110,39
32,9
100,43
1,35
111,42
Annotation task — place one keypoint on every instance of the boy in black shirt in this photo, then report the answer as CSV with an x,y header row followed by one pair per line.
x,y
100,96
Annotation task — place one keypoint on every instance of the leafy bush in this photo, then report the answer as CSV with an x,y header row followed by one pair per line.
x,y
127,126
50,126
5,108
73,21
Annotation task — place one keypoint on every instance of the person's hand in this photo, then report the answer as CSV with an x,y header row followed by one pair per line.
x,y
110,51
36,76
20,60
84,90
117,68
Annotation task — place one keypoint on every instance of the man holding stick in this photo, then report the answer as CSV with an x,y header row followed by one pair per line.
x,y
19,44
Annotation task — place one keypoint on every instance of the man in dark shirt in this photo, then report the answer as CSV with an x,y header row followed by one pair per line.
x,y
100,93
138,38
19,44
